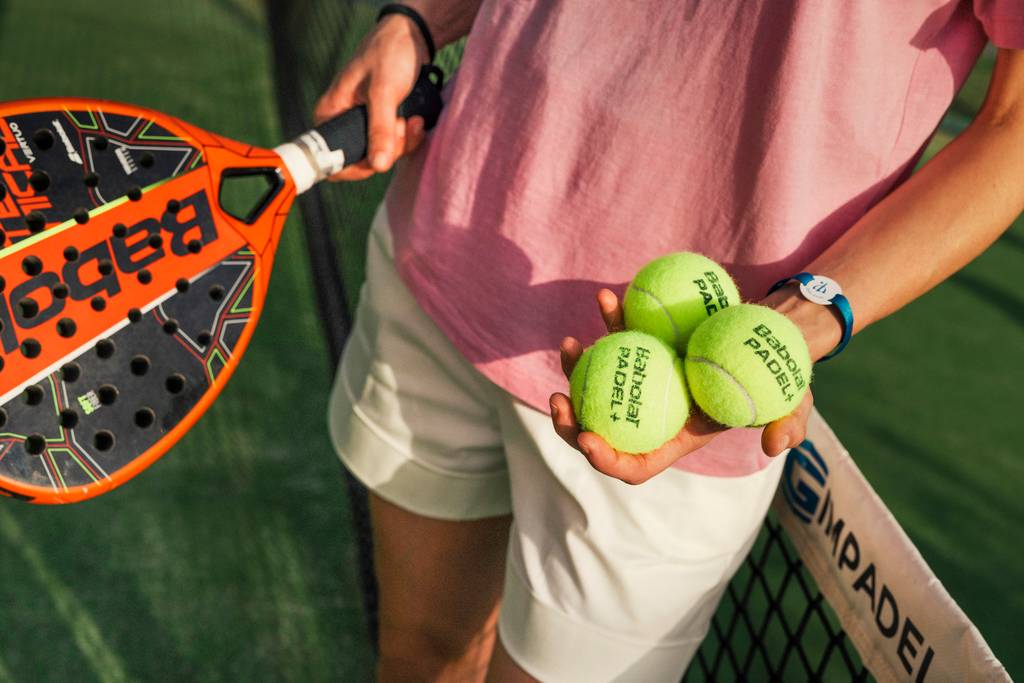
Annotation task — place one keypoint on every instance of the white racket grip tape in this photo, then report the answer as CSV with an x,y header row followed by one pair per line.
x,y
309,160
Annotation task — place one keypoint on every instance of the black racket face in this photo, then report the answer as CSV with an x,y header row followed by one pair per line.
x,y
95,415
64,162
127,295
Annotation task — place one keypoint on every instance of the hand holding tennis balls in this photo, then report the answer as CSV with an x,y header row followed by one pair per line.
x,y
698,430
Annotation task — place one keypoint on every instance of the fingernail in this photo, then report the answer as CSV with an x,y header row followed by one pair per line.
x,y
554,409
380,161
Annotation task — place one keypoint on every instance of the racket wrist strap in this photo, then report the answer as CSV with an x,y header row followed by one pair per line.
x,y
417,18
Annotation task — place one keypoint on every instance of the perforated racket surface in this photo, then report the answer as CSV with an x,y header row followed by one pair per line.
x,y
127,292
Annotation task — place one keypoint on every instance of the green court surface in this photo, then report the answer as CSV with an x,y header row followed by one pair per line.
x,y
232,558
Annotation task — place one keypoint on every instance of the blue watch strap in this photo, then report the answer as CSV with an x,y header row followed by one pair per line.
x,y
824,291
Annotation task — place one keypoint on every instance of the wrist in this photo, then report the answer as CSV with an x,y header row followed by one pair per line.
x,y
821,326
412,25
447,20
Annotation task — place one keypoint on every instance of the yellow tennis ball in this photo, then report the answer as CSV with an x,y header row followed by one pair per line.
x,y
673,294
629,388
747,366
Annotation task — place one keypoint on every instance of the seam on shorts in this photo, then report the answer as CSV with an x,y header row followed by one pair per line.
x,y
611,635
386,438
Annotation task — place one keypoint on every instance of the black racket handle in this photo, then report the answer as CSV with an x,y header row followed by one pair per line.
x,y
347,132
323,151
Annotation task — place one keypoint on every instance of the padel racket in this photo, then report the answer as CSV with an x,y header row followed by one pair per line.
x,y
130,279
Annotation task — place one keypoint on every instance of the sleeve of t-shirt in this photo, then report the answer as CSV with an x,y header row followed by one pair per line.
x,y
1003,21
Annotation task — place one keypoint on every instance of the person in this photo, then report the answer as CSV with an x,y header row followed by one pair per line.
x,y
580,140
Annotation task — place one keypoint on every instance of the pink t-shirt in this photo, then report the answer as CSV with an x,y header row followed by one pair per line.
x,y
582,139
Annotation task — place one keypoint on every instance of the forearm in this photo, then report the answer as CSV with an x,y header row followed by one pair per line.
x,y
448,20
950,211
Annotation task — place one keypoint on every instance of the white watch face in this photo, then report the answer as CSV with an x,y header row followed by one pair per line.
x,y
821,290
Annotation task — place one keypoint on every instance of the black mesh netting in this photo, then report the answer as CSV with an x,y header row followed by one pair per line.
x,y
773,623
310,40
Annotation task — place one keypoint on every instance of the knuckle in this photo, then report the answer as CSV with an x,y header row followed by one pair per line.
x,y
381,91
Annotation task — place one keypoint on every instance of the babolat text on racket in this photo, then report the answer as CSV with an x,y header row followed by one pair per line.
x,y
131,278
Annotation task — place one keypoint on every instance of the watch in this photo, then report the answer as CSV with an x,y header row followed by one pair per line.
x,y
824,291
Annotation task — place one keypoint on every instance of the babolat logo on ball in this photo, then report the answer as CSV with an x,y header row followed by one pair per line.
x,y
711,290
97,268
627,389
777,359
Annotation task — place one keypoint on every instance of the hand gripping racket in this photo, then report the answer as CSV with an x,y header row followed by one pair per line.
x,y
129,286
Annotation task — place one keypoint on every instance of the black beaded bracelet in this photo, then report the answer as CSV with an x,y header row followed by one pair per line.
x,y
407,11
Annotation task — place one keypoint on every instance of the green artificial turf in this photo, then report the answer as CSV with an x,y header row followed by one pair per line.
x,y
231,559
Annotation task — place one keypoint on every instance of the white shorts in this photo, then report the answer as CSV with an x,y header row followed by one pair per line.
x,y
604,581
